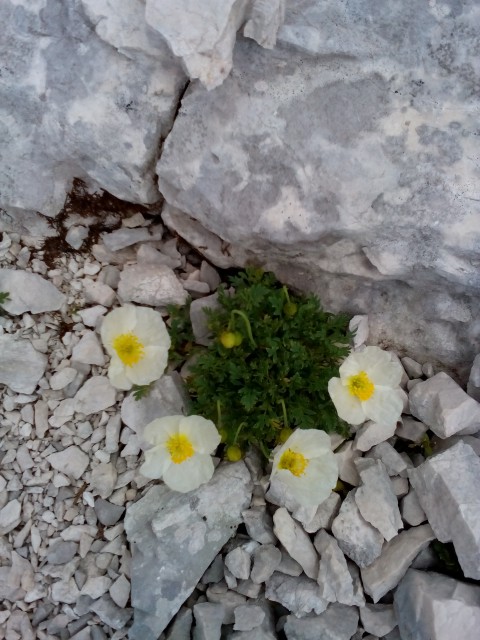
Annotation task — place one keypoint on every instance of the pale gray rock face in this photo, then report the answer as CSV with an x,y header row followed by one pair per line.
x,y
106,112
444,406
445,486
300,595
359,208
378,619
324,514
295,541
473,386
397,555
95,395
208,621
431,606
265,561
29,292
339,622
333,577
153,285
21,366
72,461
174,538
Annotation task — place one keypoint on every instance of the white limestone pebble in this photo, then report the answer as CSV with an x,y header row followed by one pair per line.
x,y
121,238
98,293
300,595
355,536
446,486
346,456
386,571
372,433
248,617
72,461
413,368
153,285
378,619
336,584
393,461
209,617
103,479
120,591
411,429
60,379
10,516
444,406
89,350
29,292
339,622
266,559
295,541
259,524
97,394
238,562
96,586
91,315
21,366
473,385
411,509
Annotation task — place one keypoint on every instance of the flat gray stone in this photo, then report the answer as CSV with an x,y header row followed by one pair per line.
x,y
431,606
199,318
334,578
21,366
121,238
296,541
61,552
120,591
378,619
109,613
444,486
29,292
324,514
95,395
238,562
89,350
230,600
411,429
107,512
372,433
181,627
397,555
72,461
265,561
411,509
300,595
376,499
393,461
152,285
444,406
355,536
259,525
473,385
10,516
248,617
338,622
174,538
208,621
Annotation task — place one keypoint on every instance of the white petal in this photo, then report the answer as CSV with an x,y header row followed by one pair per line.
x,y
190,474
348,407
157,462
151,367
160,430
366,360
202,433
117,374
151,329
315,485
386,372
350,366
118,321
309,442
384,407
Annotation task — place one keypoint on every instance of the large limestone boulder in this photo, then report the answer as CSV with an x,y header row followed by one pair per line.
x,y
346,159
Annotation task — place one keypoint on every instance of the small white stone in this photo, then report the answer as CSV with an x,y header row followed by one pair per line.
x,y
359,325
91,315
71,461
393,461
296,541
120,591
248,617
21,366
122,238
29,292
411,429
89,350
96,586
413,368
10,516
372,433
98,293
62,378
378,619
412,512
75,236
94,396
103,479
346,456
153,285
336,584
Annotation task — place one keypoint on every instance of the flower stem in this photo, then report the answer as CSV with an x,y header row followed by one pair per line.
x,y
247,325
284,409
242,424
285,291
219,415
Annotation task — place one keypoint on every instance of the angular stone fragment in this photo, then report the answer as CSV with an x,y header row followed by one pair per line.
x,y
220,594
72,461
61,552
473,385
300,595
446,485
108,513
378,619
411,429
89,350
152,285
339,622
397,555
259,525
411,509
324,514
208,621
174,538
334,578
376,499
248,617
180,629
355,536
346,456
444,406
431,606
29,292
97,394
199,318
372,433
296,541
121,238
21,366
103,479
109,613
238,562
413,368
265,561
10,516
120,591
393,461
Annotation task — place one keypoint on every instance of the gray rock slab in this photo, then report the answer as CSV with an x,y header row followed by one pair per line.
x,y
323,517
214,573
473,385
376,499
346,456
238,562
174,538
444,406
153,285
334,578
338,622
29,292
397,555
89,350
411,429
411,509
378,619
296,541
259,525
209,618
61,552
355,536
372,433
300,595
21,366
10,516
199,318
265,561
95,395
108,513
393,461
109,613
444,487
72,461
181,626
431,606
248,617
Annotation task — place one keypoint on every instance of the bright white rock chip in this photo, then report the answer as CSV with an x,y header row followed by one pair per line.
x,y
368,388
306,466
181,451
137,340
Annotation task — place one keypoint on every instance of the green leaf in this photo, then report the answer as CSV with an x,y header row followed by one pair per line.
x,y
140,391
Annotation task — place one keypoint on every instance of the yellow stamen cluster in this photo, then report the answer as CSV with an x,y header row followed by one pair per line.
x,y
129,348
361,386
180,448
294,462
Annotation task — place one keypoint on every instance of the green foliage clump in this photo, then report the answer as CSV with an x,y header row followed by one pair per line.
x,y
267,370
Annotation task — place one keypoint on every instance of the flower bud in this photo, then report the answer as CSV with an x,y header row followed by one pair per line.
x,y
233,453
290,309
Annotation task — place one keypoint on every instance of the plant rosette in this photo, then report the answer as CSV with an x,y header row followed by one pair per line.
x,y
368,388
306,466
181,453
137,341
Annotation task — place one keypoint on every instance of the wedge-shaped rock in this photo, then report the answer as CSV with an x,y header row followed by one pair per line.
x,y
339,622
444,406
431,606
376,499
355,536
447,489
334,578
174,538
21,366
296,541
300,595
29,292
378,619
397,555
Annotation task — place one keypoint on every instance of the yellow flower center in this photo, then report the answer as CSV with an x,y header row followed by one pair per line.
x,y
361,386
180,448
294,462
129,348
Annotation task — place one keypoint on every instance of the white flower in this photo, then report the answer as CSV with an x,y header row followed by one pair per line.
x,y
307,466
137,340
181,452
368,388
